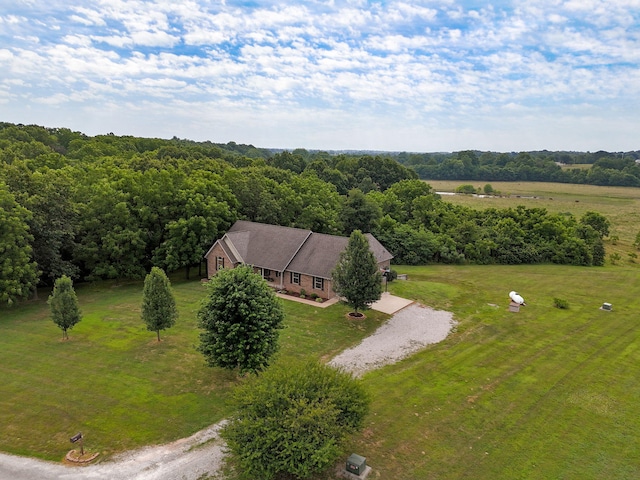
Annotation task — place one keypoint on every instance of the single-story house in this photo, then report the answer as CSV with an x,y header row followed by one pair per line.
x,y
291,259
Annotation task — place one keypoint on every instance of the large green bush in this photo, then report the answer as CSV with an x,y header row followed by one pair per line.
x,y
240,319
292,419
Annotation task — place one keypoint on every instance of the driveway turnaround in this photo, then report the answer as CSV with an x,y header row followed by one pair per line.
x,y
390,303
191,458
406,332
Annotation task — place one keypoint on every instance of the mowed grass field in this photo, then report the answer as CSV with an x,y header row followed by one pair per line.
x,y
540,394
116,384
543,393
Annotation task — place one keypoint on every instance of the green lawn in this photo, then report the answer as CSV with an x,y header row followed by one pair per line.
x,y
544,393
114,382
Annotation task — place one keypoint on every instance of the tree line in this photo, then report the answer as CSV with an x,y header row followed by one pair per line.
x,y
115,206
613,169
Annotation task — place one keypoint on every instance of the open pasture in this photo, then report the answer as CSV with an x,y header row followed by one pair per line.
x,y
621,205
543,393
579,166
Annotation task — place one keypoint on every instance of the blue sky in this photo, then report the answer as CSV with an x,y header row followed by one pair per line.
x,y
388,75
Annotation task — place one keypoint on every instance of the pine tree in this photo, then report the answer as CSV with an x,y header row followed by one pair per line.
x,y
159,310
356,276
64,305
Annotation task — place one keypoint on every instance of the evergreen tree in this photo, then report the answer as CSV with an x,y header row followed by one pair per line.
x,y
158,305
240,319
356,276
64,305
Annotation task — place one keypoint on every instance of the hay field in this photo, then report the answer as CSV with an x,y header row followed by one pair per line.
x,y
621,205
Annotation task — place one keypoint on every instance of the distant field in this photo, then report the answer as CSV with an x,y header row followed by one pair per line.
x,y
581,166
621,205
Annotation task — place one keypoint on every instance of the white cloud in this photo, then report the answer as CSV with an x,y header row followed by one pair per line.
x,y
118,41
379,69
154,39
88,16
12,19
80,19
78,40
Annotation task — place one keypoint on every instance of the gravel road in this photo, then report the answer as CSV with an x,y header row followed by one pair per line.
x,y
409,330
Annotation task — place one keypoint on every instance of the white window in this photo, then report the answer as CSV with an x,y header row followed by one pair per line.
x,y
318,283
295,278
219,263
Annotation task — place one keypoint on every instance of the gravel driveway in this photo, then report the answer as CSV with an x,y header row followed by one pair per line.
x,y
409,330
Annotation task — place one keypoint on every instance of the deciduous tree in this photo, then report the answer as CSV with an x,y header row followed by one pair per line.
x,y
292,420
18,273
240,319
64,305
359,212
159,310
599,222
357,277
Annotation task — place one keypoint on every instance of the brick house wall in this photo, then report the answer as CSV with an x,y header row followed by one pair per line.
x,y
307,284
212,260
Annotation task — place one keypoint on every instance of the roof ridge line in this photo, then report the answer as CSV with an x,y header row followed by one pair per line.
x,y
297,251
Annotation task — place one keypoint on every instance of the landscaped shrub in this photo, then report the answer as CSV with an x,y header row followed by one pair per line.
x,y
291,421
560,303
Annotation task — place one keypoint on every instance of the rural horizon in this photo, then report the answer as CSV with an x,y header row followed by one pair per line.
x,y
546,392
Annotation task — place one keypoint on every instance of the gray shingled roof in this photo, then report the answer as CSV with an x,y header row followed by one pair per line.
x,y
381,253
266,246
319,255
294,249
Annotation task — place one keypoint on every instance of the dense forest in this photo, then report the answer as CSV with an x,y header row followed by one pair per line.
x,y
114,206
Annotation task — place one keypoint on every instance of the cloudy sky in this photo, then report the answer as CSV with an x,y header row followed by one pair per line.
x,y
340,74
